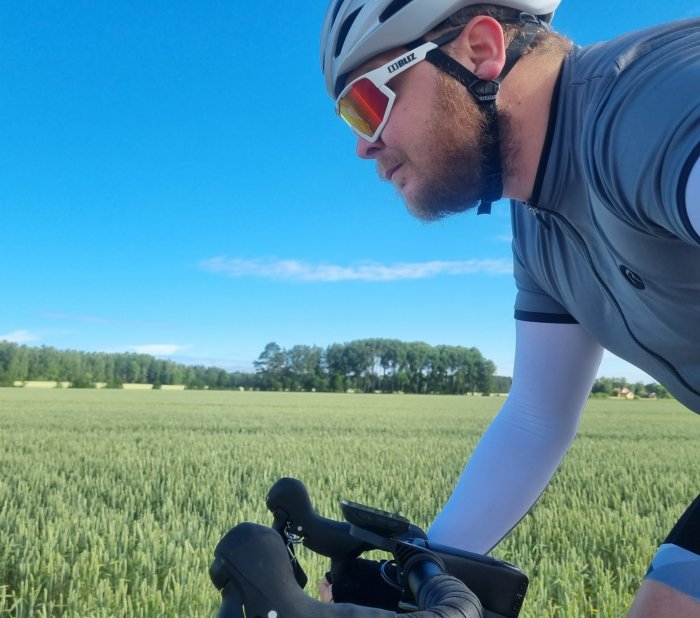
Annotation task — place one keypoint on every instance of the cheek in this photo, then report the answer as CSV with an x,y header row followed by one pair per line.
x,y
406,126
413,112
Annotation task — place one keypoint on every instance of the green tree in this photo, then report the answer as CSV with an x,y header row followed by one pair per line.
x,y
114,382
271,366
485,370
419,359
305,365
84,381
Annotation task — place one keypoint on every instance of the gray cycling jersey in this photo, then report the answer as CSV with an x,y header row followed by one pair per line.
x,y
606,241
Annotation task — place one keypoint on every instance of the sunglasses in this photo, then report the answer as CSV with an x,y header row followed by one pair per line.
x,y
366,101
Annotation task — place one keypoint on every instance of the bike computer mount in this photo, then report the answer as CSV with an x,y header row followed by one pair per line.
x,y
502,586
380,522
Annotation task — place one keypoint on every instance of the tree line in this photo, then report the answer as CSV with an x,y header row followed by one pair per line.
x,y
19,363
379,365
369,365
366,365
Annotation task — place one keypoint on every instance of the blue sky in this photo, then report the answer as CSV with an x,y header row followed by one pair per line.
x,y
173,180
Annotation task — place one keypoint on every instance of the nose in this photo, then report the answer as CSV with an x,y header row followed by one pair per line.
x,y
368,150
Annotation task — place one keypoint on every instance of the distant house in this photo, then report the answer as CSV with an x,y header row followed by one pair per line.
x,y
625,393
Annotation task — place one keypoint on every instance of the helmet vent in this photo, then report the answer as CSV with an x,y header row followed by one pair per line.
x,y
393,7
343,31
336,8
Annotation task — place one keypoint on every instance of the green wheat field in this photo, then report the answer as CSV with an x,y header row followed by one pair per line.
x,y
111,502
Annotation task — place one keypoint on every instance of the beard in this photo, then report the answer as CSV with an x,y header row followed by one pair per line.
x,y
449,167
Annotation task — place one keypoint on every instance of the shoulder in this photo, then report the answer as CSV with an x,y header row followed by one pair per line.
x,y
632,103
623,52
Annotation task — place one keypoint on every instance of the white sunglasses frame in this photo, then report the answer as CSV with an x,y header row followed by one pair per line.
x,y
380,77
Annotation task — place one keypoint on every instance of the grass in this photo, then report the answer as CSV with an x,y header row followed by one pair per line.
x,y
111,502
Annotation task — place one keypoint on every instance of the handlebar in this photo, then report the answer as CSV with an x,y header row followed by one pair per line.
x,y
255,567
253,571
291,508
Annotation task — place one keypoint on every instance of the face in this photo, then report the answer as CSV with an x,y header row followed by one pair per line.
x,y
431,146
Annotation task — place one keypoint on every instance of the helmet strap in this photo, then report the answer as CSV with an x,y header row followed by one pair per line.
x,y
485,93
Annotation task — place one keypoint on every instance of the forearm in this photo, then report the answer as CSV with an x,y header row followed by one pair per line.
x,y
525,443
507,472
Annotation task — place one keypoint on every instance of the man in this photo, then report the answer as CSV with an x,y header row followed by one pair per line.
x,y
598,148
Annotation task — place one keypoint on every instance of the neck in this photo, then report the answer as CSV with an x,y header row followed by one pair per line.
x,y
526,96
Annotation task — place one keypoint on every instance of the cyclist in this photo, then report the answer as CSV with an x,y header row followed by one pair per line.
x,y
598,148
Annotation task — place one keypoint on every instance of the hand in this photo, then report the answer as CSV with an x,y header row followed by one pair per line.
x,y
363,584
325,590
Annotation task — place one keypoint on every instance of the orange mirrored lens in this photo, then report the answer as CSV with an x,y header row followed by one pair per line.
x,y
363,107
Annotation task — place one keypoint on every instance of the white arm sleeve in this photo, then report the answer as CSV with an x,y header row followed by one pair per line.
x,y
692,197
555,365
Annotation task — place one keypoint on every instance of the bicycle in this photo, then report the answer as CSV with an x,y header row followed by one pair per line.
x,y
257,572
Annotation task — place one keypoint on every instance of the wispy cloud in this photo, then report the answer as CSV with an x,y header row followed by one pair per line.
x,y
158,349
19,336
89,319
295,270
56,315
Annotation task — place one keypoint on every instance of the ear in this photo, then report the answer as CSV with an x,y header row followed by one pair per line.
x,y
481,48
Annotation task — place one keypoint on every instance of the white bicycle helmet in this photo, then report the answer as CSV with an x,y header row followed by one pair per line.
x,y
356,30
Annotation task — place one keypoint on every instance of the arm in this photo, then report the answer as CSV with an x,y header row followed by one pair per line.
x,y
555,365
671,587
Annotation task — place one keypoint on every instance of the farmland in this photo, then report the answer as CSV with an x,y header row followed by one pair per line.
x,y
111,502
